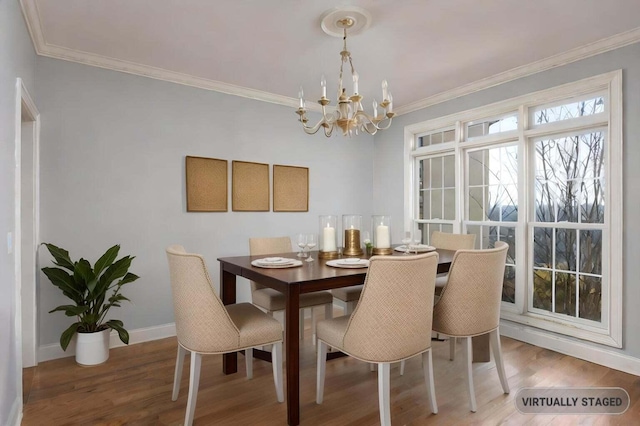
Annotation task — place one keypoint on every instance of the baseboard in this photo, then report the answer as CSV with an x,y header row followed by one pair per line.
x,y
567,346
15,415
54,351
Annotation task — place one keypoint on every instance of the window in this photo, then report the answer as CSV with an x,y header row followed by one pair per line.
x,y
542,173
492,203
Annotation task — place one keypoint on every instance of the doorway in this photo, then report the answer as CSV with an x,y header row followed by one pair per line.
x,y
26,224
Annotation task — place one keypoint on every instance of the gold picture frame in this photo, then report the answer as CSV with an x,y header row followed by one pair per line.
x,y
207,183
250,187
290,188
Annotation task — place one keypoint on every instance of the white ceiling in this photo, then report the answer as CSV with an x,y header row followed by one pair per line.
x,y
266,49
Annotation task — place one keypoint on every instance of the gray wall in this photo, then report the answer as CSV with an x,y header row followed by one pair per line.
x,y
18,60
389,157
113,148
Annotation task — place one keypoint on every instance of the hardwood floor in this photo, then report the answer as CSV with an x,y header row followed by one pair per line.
x,y
134,388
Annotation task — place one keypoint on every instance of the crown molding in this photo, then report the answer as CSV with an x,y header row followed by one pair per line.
x,y
583,52
32,18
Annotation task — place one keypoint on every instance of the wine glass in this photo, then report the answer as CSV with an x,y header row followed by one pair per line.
x,y
302,243
407,242
417,240
312,241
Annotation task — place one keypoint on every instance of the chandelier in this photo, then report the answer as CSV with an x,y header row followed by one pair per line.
x,y
348,115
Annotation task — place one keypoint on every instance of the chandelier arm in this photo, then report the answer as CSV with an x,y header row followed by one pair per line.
x,y
372,130
388,120
310,130
378,124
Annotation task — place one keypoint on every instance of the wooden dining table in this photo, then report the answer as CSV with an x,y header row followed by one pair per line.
x,y
292,282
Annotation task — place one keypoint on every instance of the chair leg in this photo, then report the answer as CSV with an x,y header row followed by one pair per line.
x,y
178,373
384,400
349,307
452,348
496,348
402,367
320,371
427,365
328,311
177,376
313,326
248,359
468,358
194,381
276,363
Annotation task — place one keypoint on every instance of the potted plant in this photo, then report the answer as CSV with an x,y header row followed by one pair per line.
x,y
93,291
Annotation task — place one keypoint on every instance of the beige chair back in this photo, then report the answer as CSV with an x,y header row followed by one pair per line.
x,y
469,304
262,246
392,320
202,322
448,241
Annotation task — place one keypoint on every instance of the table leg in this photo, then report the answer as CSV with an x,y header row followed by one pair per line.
x,y
481,351
228,296
292,342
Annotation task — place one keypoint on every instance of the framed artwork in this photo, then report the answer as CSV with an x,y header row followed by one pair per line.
x,y
290,189
206,184
250,187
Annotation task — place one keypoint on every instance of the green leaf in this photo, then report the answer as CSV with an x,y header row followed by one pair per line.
x,y
61,256
117,298
83,275
117,326
116,322
113,272
68,334
129,278
106,260
65,282
71,310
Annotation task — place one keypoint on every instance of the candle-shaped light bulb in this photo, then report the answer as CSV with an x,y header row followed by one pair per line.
x,y
375,108
301,96
356,77
385,88
339,87
390,107
323,84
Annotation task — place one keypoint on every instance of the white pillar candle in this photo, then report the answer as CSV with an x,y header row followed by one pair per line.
x,y
329,239
383,239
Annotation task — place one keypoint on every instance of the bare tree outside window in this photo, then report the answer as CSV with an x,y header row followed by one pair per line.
x,y
569,171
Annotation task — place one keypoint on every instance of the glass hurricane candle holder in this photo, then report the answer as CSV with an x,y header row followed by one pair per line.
x,y
381,225
328,243
352,224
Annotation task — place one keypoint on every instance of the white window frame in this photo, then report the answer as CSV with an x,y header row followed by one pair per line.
x,y
609,330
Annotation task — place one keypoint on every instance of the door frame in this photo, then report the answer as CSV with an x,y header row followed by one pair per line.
x,y
26,109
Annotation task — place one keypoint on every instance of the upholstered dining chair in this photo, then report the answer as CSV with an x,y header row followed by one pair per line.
x,y
272,300
205,326
391,322
469,305
449,241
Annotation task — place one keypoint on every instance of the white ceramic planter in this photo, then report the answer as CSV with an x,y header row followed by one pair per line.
x,y
92,348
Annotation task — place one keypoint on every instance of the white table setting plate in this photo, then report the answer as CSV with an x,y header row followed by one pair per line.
x,y
348,263
418,248
276,262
